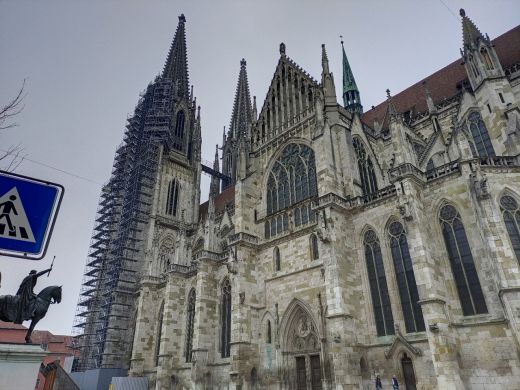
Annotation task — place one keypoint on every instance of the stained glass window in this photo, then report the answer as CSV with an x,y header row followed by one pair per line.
x,y
225,320
462,264
408,293
292,178
190,322
511,214
482,145
378,287
367,174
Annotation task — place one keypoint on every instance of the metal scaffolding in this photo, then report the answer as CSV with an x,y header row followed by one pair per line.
x,y
104,312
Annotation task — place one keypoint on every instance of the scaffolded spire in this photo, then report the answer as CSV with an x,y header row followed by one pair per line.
x,y
242,116
351,97
176,67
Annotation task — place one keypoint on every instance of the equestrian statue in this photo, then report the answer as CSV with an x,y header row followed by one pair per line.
x,y
26,305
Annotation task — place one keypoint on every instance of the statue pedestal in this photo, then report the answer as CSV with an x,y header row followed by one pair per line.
x,y
19,365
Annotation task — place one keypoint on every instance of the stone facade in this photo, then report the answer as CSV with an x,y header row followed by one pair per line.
x,y
301,253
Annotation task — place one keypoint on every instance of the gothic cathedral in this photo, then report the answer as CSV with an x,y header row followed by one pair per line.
x,y
337,244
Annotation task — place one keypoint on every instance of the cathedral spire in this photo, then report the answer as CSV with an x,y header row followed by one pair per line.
x,y
241,117
470,33
176,66
215,181
327,80
351,97
480,58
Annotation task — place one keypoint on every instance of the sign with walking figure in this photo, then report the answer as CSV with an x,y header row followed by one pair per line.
x,y
28,210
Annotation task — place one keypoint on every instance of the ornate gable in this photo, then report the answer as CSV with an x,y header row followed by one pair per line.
x,y
289,99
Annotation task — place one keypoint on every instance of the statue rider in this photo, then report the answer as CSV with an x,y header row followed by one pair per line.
x,y
27,303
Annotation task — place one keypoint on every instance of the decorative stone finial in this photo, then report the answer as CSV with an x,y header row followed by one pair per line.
x,y
243,62
182,18
282,49
388,96
462,12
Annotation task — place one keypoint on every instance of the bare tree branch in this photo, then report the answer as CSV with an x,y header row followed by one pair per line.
x,y
12,157
12,108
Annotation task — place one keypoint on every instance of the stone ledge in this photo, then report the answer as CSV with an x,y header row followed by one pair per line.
x,y
12,352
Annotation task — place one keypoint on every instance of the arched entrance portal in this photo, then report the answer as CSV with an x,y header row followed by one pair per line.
x,y
301,349
408,373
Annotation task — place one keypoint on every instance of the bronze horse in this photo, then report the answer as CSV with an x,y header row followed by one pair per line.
x,y
10,304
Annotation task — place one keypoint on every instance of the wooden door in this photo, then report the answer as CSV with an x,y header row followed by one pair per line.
x,y
301,377
316,372
408,374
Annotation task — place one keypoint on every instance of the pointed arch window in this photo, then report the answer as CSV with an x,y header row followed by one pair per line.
x,y
511,215
486,59
179,131
461,260
474,68
276,259
225,319
292,178
367,174
482,145
378,287
172,197
158,335
190,323
315,254
408,292
268,335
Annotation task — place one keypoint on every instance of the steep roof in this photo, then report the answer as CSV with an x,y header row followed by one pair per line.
x,y
226,197
443,83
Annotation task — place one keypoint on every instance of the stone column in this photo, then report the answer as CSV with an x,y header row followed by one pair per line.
x,y
243,358
442,338
144,332
173,330
342,299
205,329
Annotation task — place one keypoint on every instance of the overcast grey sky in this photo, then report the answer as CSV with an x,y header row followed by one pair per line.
x,y
85,63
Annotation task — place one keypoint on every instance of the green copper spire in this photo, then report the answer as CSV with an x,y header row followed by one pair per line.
x,y
351,98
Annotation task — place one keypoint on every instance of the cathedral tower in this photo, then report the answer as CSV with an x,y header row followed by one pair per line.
x,y
163,134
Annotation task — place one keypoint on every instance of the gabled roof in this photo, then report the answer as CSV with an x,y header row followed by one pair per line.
x,y
289,64
225,198
443,83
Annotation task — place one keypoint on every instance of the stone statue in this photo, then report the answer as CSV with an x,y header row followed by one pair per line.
x,y
26,305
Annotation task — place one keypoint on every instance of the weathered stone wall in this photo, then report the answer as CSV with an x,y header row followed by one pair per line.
x,y
322,308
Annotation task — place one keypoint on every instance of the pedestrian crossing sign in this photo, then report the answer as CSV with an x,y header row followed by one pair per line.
x,y
28,210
